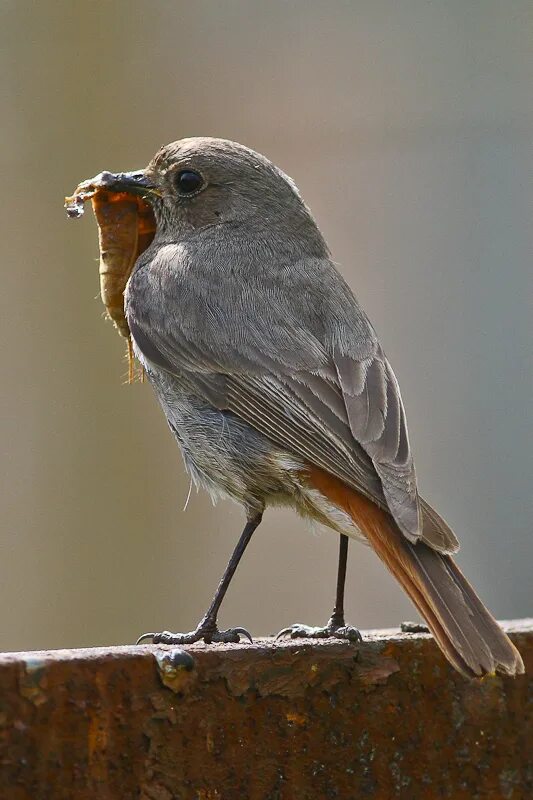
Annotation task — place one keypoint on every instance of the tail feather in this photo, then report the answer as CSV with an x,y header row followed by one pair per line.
x,y
464,629
467,633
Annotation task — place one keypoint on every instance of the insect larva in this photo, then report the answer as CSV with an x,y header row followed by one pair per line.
x,y
126,227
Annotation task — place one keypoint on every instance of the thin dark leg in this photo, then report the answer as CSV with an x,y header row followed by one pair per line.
x,y
336,626
210,616
337,618
207,628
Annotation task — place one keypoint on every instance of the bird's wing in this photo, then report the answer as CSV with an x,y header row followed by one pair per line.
x,y
283,408
308,373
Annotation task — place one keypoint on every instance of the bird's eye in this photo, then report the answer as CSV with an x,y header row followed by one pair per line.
x,y
188,182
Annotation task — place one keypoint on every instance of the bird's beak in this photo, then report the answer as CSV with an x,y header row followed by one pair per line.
x,y
136,182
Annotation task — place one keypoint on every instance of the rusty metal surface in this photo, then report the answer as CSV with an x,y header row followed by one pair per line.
x,y
270,721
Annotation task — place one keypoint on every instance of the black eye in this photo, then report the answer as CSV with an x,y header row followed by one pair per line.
x,y
188,182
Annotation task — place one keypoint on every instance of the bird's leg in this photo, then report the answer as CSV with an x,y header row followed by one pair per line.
x,y
207,630
337,618
336,627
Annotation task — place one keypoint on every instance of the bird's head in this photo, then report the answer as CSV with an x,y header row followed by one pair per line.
x,y
203,182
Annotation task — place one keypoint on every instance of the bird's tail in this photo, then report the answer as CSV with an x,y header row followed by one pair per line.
x,y
464,629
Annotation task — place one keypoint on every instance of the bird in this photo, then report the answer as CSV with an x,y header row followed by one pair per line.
x,y
278,391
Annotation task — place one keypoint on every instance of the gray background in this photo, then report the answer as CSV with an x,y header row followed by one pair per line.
x,y
408,127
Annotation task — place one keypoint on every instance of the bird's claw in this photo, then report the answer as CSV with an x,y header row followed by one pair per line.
x,y
145,636
207,634
299,631
240,632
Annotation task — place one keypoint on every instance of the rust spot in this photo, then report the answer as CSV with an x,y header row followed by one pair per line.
x,y
294,718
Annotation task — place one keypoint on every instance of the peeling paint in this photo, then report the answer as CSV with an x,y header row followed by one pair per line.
x,y
175,669
32,681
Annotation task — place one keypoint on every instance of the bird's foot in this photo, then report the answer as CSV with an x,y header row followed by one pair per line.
x,y
330,631
206,632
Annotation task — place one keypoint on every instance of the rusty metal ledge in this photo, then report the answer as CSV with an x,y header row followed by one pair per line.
x,y
269,721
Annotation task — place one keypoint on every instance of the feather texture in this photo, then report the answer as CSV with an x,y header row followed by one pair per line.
x,y
284,373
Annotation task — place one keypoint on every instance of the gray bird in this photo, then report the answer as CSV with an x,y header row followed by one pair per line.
x,y
277,390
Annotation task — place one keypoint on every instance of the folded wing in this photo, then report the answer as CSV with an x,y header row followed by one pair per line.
x,y
321,387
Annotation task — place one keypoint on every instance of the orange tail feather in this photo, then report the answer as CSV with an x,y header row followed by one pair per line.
x,y
464,629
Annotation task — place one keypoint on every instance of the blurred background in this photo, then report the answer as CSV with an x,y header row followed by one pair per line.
x,y
408,128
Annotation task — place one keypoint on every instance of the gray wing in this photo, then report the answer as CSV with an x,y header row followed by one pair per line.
x,y
322,389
